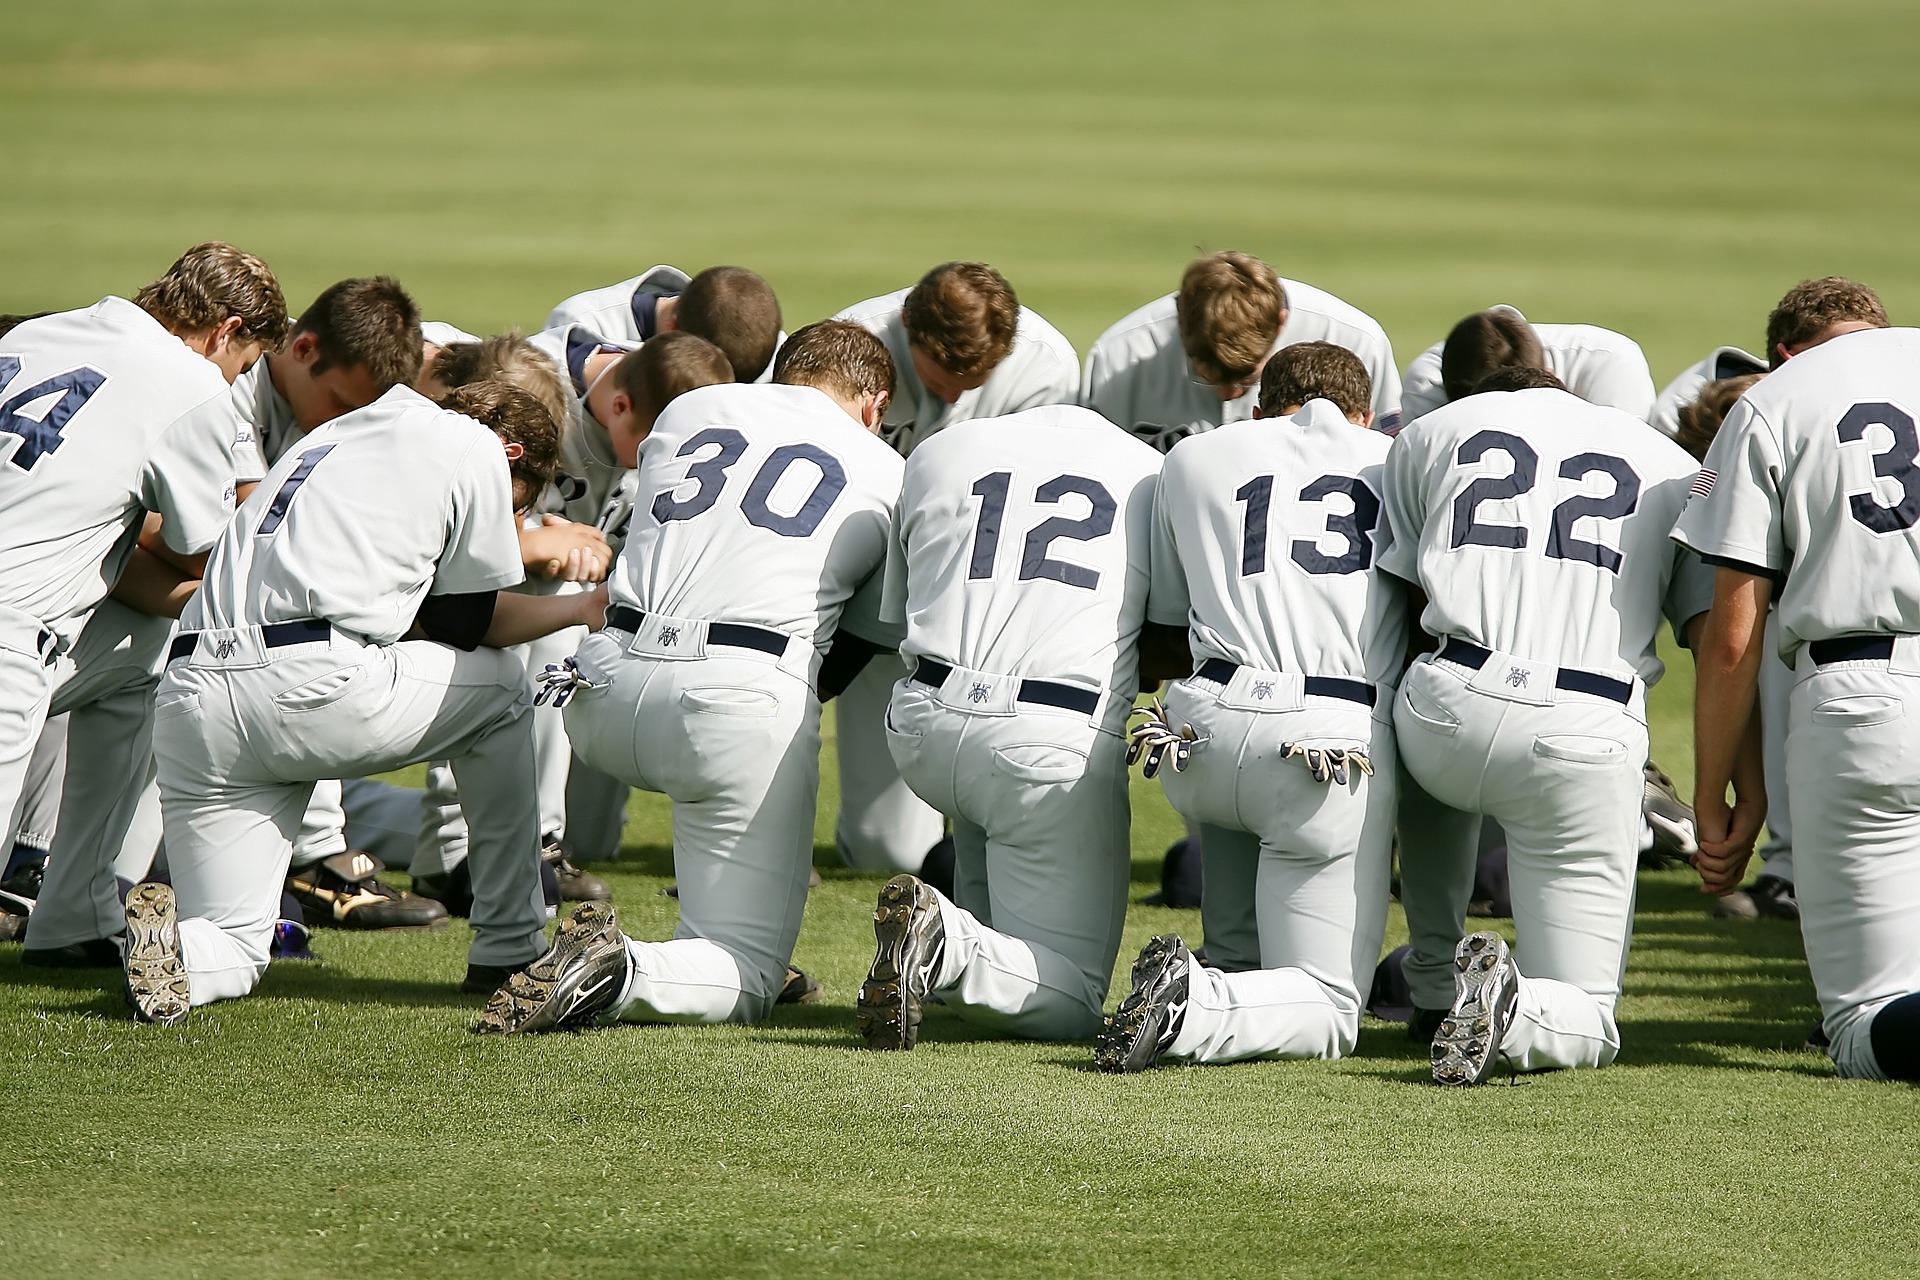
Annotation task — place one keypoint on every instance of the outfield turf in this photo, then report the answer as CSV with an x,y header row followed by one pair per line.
x,y
1667,169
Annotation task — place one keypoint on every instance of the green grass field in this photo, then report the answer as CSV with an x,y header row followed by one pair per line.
x,y
1664,168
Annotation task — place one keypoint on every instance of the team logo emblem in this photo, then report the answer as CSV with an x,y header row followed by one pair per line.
x,y
980,693
1517,677
226,647
669,636
1263,689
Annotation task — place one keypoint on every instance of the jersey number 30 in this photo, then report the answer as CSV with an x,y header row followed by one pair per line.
x,y
1470,530
40,436
710,475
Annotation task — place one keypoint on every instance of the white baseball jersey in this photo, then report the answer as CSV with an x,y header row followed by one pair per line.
x,y
104,416
1041,369
270,425
1816,476
1721,362
442,334
1265,538
1538,526
1021,548
588,470
1598,365
765,505
626,312
1137,373
372,512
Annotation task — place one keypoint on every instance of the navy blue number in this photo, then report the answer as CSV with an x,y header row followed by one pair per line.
x,y
709,473
1098,522
1561,544
1257,493
41,436
277,509
1356,527
1468,531
833,479
1897,463
991,489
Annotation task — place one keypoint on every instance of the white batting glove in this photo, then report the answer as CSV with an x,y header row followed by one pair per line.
x,y
559,681
1329,764
1155,741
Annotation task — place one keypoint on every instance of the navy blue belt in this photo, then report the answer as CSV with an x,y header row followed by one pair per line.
x,y
1044,693
1220,671
274,635
735,635
1570,679
1851,649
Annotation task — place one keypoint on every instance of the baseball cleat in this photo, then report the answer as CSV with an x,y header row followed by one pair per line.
x,y
1144,1025
800,988
570,882
156,975
1486,988
345,892
1670,818
909,941
579,978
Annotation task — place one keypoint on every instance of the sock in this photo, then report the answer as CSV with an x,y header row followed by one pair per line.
x,y
1896,1038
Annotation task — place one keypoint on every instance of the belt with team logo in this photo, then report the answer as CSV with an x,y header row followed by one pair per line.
x,y
736,635
1044,693
1850,649
1220,671
274,635
1569,679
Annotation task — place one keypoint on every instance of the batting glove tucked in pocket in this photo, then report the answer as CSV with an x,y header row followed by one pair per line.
x,y
1155,741
559,681
1329,764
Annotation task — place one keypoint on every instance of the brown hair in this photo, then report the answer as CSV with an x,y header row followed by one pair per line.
x,y
1700,420
212,281
1483,342
1231,307
370,321
509,358
668,367
1814,306
963,315
835,356
1517,377
517,418
736,311
1315,371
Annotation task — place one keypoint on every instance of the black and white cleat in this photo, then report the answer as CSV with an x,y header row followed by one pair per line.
x,y
1145,1024
577,981
156,975
1486,988
909,942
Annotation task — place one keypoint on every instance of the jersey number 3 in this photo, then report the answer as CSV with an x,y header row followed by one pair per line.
x,y
710,475
40,436
1470,530
1356,528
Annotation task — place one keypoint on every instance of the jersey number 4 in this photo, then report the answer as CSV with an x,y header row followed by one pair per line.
x,y
1035,562
710,474
1470,530
1356,528
40,436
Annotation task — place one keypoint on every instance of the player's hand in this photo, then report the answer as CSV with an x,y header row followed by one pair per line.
x,y
566,551
1727,836
593,608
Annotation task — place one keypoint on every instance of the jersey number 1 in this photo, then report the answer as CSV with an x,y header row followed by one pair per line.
x,y
40,436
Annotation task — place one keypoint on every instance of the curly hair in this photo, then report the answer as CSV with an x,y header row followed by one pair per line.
x,y
211,282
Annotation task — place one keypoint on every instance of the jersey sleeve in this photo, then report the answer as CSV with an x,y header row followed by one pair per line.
x,y
1624,382
865,614
1387,414
1169,602
1053,381
188,479
1403,479
482,552
1422,392
1733,513
893,594
1689,590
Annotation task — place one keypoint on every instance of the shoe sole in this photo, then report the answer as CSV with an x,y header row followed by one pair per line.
x,y
1468,1041
1116,1048
156,976
528,1001
887,1011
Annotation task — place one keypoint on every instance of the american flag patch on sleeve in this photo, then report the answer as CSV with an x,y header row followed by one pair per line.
x,y
1702,483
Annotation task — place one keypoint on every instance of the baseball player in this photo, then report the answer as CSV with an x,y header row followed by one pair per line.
x,y
1265,538
1537,525
1720,364
294,664
731,307
1814,470
749,580
119,419
1191,361
1019,569
1598,365
963,347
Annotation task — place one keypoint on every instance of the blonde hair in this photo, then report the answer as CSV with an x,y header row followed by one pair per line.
x,y
1231,306
209,283
510,358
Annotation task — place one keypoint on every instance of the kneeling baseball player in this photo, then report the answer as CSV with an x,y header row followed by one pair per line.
x,y
1280,744
297,662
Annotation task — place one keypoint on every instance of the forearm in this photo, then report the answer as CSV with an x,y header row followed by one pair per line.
x,y
1727,654
153,542
519,618
154,586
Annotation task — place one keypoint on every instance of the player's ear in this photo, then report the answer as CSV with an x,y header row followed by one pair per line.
x,y
874,411
1366,418
224,335
515,450
305,348
1257,413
